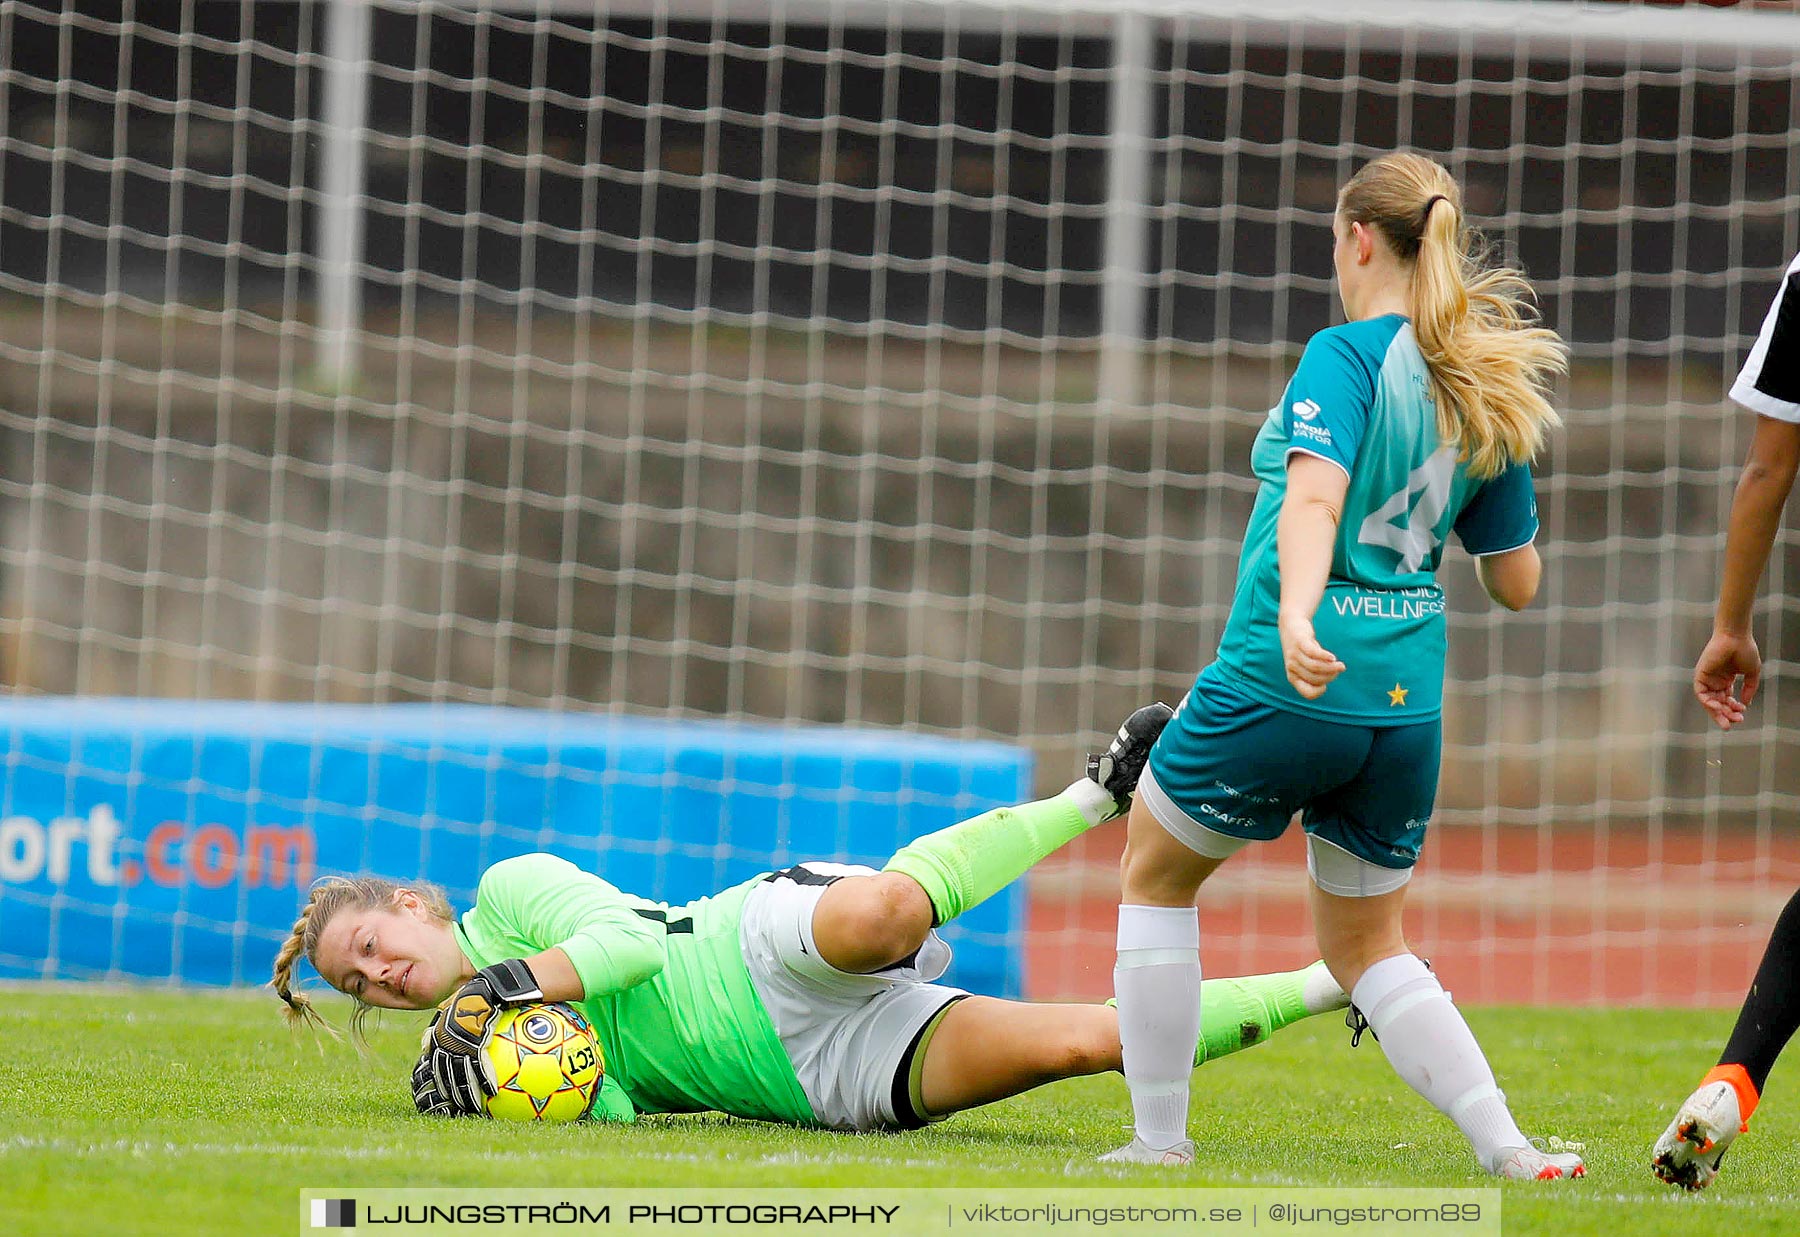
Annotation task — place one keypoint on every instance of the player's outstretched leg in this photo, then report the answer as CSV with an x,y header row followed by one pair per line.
x,y
1689,1151
967,863
987,1049
1242,1012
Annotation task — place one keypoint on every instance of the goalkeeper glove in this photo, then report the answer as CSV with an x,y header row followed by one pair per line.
x,y
445,1083
462,1026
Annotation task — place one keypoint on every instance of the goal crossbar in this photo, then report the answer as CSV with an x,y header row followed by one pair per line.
x,y
1550,29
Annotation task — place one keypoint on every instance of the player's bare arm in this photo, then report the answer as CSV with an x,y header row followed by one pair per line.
x,y
1511,578
1731,655
1309,522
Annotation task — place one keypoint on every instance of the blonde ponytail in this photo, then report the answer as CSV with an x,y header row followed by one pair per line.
x,y
330,895
1476,321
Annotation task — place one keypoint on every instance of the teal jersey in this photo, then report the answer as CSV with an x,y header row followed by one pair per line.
x,y
1361,399
680,1024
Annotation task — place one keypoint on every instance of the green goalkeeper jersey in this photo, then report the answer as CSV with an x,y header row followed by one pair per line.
x,y
678,1018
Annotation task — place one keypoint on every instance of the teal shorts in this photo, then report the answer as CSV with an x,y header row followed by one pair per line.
x,y
1241,768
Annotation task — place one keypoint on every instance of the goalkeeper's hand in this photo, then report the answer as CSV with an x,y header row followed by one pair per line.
x,y
462,1025
446,1083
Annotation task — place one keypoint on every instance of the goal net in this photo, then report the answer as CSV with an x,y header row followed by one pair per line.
x,y
892,366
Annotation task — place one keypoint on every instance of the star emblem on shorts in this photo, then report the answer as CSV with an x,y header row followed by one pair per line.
x,y
1397,697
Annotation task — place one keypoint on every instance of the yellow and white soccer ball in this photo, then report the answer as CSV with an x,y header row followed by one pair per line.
x,y
542,1064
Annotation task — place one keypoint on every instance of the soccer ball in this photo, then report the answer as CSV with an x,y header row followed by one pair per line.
x,y
542,1064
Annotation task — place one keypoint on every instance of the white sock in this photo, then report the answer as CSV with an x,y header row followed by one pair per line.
x,y
1157,982
1095,805
1432,1049
1319,992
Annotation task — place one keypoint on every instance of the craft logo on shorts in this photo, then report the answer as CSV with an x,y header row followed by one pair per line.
x,y
334,1213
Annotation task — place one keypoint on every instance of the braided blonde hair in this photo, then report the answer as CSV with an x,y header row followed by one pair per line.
x,y
1476,321
330,895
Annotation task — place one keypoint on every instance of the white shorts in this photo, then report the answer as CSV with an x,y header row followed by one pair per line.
x,y
847,1035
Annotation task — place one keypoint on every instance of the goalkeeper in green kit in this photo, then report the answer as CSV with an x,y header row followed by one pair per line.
x,y
804,996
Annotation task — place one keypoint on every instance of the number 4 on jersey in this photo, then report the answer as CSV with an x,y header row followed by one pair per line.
x,y
1414,541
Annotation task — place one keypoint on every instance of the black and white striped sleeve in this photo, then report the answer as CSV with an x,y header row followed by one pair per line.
x,y
1770,380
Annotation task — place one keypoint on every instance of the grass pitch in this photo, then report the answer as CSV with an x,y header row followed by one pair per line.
x,y
157,1111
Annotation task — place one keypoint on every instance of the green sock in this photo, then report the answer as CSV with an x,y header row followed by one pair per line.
x,y
967,863
1242,1012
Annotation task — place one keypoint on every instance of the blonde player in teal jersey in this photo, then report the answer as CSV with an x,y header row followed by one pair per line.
x,y
803,996
1415,419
